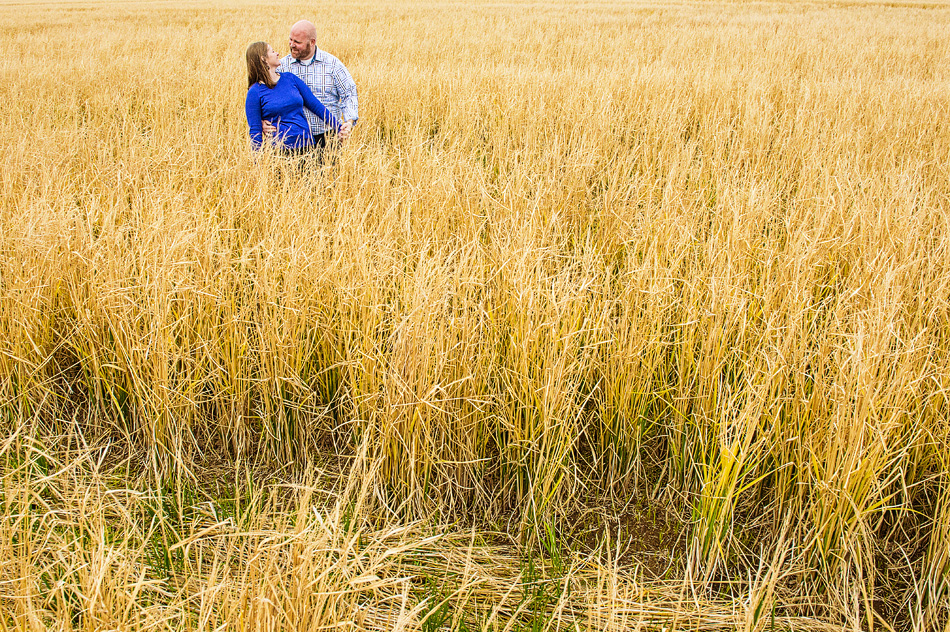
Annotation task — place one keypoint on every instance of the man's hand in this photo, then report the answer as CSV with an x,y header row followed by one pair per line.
x,y
268,129
345,130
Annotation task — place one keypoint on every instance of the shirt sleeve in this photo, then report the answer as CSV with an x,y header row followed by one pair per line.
x,y
313,104
252,109
346,88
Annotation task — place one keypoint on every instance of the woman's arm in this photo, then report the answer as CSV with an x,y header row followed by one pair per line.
x,y
252,109
313,104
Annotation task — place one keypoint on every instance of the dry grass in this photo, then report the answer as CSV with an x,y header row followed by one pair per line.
x,y
84,550
693,257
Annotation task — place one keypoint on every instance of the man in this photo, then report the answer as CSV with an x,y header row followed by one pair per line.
x,y
326,76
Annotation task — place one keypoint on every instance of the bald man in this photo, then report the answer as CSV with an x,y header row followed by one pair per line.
x,y
326,76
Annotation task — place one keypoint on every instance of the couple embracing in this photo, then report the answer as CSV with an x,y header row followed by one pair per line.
x,y
300,100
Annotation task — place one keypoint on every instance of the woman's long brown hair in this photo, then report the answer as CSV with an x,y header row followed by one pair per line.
x,y
257,69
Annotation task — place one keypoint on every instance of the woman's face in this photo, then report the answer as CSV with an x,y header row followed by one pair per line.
x,y
272,60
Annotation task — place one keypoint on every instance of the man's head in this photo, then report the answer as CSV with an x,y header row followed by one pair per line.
x,y
303,40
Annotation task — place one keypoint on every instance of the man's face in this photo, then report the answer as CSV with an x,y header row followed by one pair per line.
x,y
301,46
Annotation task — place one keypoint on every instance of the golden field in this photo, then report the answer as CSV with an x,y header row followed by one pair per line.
x,y
609,316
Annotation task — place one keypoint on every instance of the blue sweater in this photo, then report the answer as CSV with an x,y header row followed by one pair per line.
x,y
283,106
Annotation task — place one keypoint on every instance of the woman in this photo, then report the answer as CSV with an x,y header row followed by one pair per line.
x,y
280,99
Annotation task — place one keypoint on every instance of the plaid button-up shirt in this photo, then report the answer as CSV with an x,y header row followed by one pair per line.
x,y
330,82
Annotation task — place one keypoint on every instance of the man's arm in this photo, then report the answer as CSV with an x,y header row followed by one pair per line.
x,y
346,90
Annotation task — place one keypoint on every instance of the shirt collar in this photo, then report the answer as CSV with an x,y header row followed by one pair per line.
x,y
317,57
